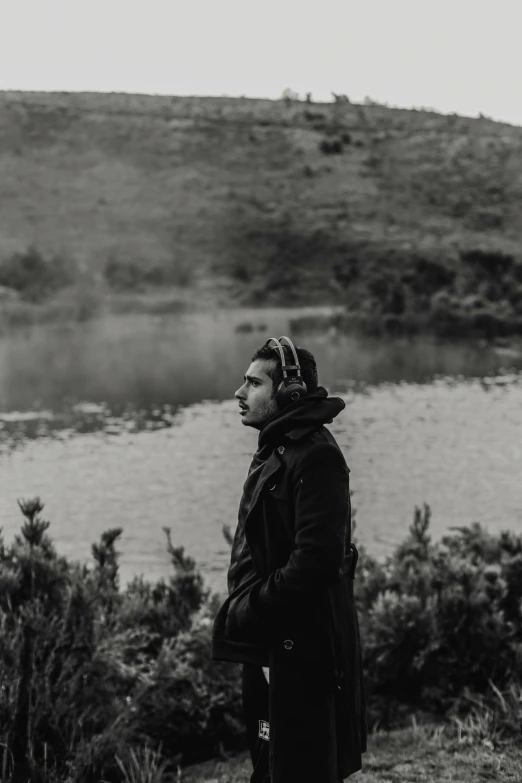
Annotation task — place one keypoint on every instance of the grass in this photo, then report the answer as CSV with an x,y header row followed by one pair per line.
x,y
420,754
146,766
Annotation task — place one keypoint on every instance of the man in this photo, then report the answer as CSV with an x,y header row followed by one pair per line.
x,y
290,616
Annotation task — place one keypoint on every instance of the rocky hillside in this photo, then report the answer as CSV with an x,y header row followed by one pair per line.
x,y
397,214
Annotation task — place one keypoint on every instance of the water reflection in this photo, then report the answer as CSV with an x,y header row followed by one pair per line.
x,y
134,372
131,422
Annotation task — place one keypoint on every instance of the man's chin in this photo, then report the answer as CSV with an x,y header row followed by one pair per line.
x,y
249,423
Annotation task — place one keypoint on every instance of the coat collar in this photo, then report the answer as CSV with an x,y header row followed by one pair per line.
x,y
300,432
274,461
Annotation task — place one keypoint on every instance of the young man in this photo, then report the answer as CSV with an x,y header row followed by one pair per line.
x,y
290,615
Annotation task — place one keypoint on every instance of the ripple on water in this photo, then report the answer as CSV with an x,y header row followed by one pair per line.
x,y
454,445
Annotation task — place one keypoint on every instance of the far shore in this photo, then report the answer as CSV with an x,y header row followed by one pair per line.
x,y
81,304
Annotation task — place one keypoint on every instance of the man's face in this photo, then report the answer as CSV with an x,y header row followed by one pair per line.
x,y
255,399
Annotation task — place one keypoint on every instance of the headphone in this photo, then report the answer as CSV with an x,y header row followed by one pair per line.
x,y
292,387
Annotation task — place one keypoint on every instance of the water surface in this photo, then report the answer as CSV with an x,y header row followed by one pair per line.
x,y
131,422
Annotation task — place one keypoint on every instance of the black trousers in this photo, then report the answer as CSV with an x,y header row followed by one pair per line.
x,y
255,710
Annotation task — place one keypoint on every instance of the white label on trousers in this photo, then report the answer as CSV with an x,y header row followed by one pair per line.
x,y
264,730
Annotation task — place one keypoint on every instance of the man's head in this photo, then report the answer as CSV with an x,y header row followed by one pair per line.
x,y
256,396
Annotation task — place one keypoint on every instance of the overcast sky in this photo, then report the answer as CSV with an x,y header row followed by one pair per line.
x,y
453,55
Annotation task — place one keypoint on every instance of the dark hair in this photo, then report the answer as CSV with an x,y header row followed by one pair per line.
x,y
306,363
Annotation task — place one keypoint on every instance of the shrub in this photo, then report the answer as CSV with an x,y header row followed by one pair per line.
x,y
313,116
123,276
95,680
242,272
447,318
34,276
179,272
245,327
488,263
91,673
438,620
516,299
334,147
130,276
483,218
489,323
430,275
313,324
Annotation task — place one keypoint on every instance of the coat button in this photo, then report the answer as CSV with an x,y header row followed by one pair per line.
x,y
288,644
271,486
281,450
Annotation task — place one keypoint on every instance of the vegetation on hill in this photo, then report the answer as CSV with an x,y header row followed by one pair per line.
x,y
102,683
411,219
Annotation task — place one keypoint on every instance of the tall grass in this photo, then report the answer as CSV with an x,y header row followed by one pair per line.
x,y
143,766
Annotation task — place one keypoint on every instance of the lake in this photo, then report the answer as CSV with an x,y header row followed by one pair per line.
x,y
130,421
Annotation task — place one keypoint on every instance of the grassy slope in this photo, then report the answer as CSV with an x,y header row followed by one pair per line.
x,y
405,756
238,190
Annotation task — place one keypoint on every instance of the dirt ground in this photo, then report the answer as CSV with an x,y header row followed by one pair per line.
x,y
415,755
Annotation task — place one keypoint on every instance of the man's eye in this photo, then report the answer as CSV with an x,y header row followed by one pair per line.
x,y
254,383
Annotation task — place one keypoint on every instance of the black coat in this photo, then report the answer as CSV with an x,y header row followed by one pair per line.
x,y
302,606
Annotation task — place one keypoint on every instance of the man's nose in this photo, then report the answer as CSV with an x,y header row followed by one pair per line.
x,y
239,394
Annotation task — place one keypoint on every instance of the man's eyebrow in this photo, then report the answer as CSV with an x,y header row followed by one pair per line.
x,y
252,378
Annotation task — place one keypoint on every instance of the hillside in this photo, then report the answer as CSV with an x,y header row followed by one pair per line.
x,y
394,213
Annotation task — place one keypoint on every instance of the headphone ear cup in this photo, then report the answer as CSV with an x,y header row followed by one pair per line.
x,y
289,391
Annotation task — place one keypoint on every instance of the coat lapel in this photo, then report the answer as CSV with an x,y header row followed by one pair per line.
x,y
270,468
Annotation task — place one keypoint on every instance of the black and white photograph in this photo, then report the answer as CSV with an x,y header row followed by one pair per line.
x,y
260,391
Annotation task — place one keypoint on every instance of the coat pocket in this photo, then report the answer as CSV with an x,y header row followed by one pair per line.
x,y
303,635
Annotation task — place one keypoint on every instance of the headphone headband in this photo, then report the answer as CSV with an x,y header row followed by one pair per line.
x,y
292,388
279,347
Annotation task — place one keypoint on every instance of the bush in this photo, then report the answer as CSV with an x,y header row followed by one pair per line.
x,y
241,271
315,324
429,275
484,218
33,276
314,116
440,619
123,276
516,299
473,315
91,674
95,680
334,147
130,276
488,263
245,327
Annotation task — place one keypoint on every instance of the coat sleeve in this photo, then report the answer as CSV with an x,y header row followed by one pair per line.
x,y
322,513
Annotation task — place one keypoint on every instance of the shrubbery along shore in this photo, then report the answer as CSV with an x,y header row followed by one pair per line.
x,y
103,682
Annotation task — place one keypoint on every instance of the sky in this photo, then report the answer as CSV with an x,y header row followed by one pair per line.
x,y
459,56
